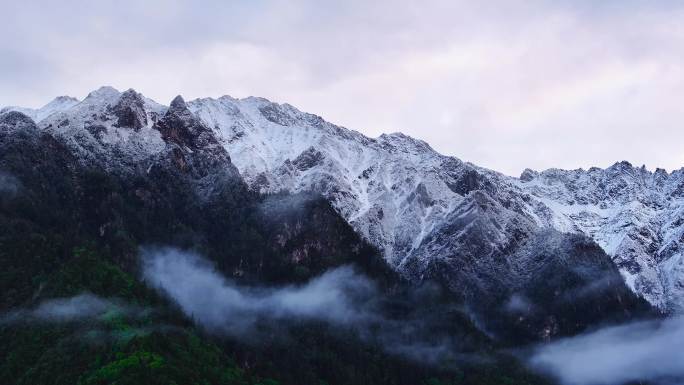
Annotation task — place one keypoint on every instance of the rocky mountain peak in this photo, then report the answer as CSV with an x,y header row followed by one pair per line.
x,y
623,164
528,175
130,110
623,167
58,104
104,92
178,104
180,126
401,142
64,98
661,171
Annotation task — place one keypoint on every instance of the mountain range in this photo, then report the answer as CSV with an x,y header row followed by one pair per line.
x,y
423,210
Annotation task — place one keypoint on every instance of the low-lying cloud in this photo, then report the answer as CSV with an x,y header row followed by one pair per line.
x,y
642,351
80,307
341,298
518,304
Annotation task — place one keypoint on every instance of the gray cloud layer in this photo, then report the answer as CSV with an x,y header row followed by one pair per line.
x,y
644,351
588,83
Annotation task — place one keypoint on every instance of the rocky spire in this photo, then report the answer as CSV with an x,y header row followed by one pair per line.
x,y
130,110
178,104
528,175
180,126
195,146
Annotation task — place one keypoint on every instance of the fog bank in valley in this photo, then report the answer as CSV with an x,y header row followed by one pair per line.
x,y
641,351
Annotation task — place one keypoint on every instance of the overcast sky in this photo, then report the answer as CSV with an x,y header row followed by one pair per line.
x,y
503,84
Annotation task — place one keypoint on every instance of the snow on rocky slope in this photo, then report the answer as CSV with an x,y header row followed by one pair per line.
x,y
393,189
109,126
416,205
635,215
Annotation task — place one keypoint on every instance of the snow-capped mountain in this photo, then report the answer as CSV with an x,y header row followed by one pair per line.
x,y
98,126
421,208
394,189
635,215
58,104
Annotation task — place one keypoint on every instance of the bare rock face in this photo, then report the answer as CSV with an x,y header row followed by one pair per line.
x,y
193,147
277,114
528,175
308,159
182,127
130,110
